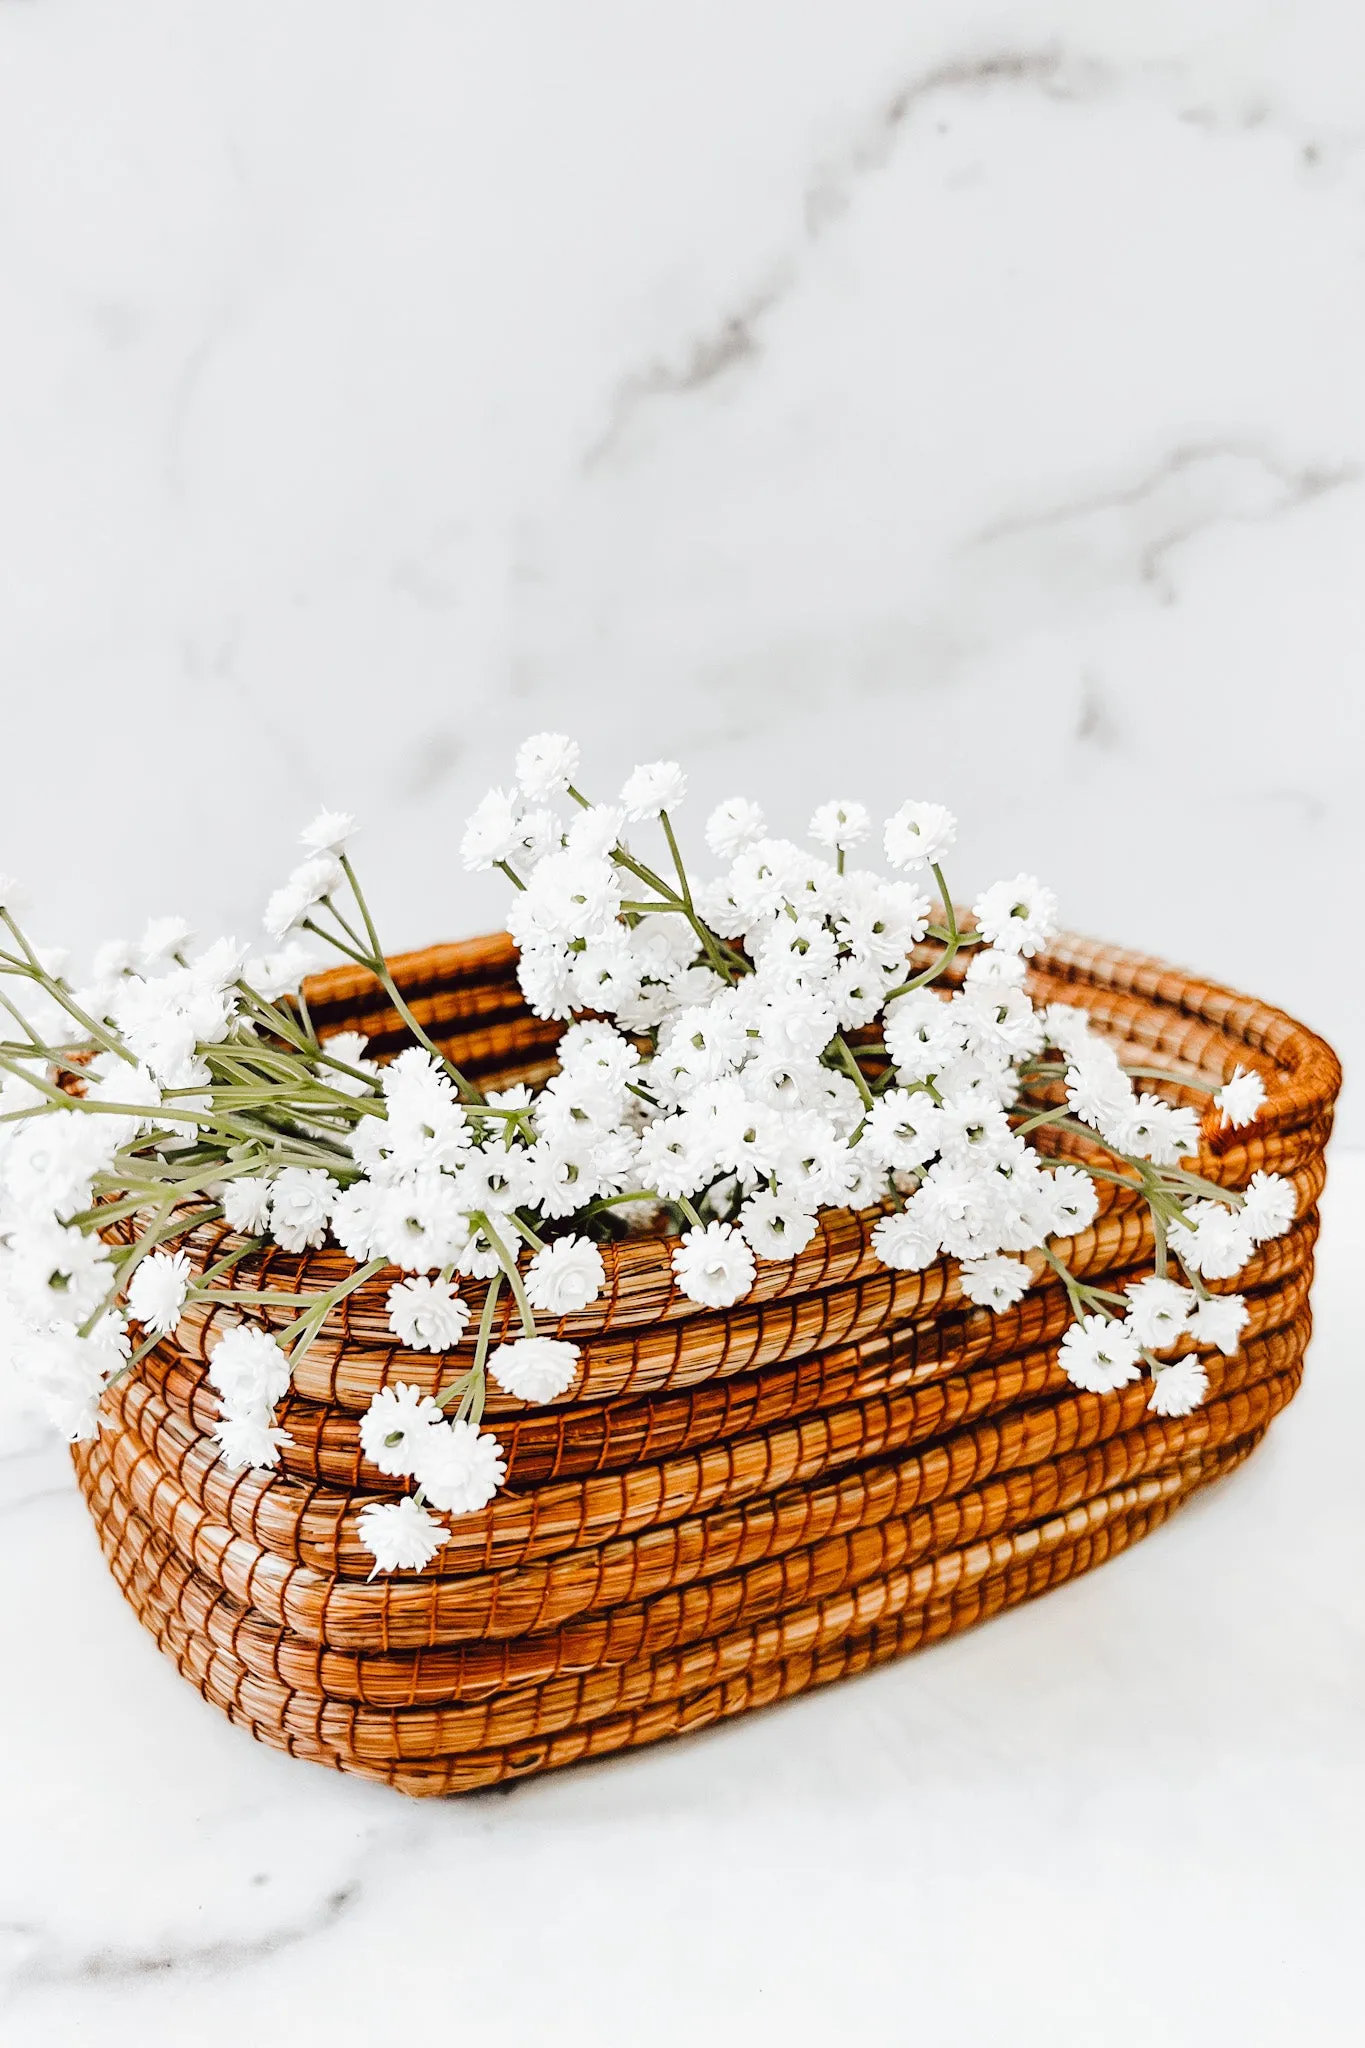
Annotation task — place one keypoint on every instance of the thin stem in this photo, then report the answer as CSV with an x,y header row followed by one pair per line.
x,y
300,1330
509,1267
60,993
843,1052
466,1385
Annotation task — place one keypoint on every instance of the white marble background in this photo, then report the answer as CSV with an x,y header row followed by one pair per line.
x,y
962,400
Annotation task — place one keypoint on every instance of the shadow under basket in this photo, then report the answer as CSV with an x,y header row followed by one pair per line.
x,y
727,1507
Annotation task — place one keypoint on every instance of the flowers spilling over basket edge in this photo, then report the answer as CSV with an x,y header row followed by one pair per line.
x,y
749,1050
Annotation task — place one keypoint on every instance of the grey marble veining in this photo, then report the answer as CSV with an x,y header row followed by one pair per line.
x,y
966,404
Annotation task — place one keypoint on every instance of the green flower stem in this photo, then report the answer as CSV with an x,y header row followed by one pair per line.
x,y
509,1267
513,877
524,1230
255,1297
39,1049
1078,1293
126,1260
60,993
378,966
954,940
1159,1258
471,1385
134,1359
305,1328
708,938
713,946
1229,1197
229,1260
1034,1123
839,1046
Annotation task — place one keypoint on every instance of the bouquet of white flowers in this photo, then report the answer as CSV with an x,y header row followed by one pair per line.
x,y
795,1033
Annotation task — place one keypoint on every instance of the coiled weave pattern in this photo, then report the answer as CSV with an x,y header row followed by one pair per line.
x,y
727,1507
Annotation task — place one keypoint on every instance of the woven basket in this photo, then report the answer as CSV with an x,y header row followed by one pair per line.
x,y
726,1507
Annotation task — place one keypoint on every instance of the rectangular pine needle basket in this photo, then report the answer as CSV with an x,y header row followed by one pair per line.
x,y
727,1507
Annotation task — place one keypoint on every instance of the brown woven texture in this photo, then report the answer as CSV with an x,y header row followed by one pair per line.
x,y
726,1507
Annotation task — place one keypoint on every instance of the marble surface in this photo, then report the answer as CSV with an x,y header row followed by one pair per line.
x,y
962,401
1130,1813
959,400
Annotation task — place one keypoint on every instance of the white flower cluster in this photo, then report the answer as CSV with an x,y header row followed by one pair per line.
x,y
741,1053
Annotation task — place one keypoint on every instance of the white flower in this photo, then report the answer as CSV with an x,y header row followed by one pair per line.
x,y
776,1226
1099,1355
534,1368
537,834
1269,1206
655,786
670,1162
422,1223
565,1276
246,1205
1149,1128
1159,1311
595,831
248,1369
399,1534
714,1265
163,939
115,958
598,1047
51,1160
995,1283
279,974
427,1315
1219,1321
328,832
841,824
989,966
55,1274
310,882
1212,1239
359,1219
348,1046
908,1241
1069,1028
734,824
570,896
461,1467
1017,916
69,1371
1240,1099
543,972
301,1199
1097,1089
546,764
491,832
394,1426
12,893
903,1129
249,1440
1178,1388
156,1293
922,1034
919,835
